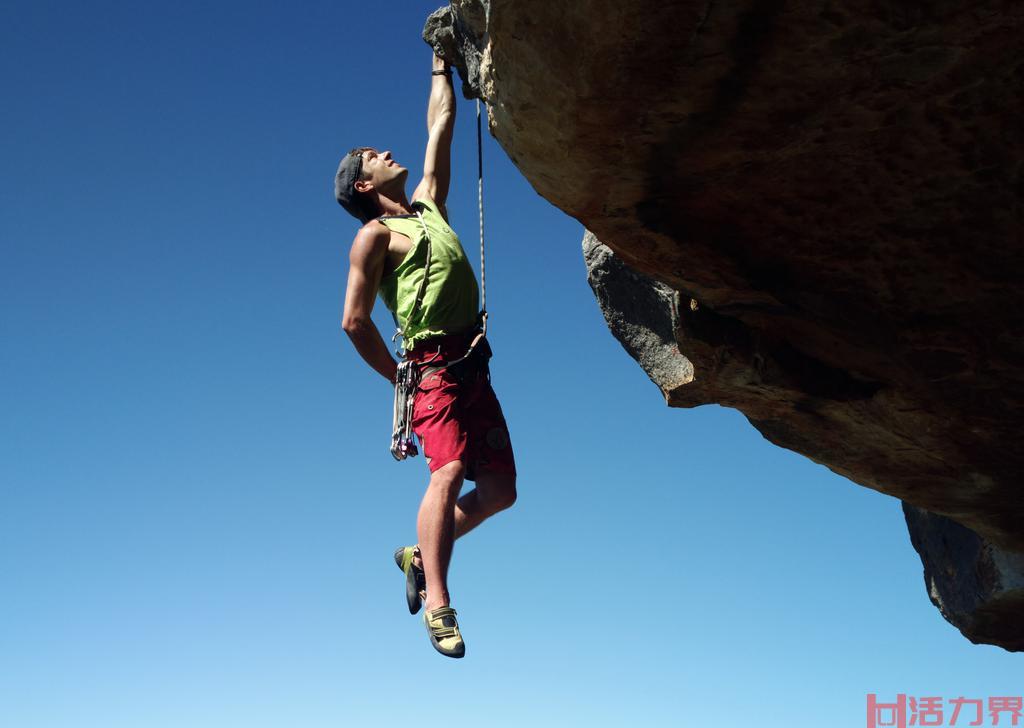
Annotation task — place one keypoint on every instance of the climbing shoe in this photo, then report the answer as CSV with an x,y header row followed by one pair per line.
x,y
415,582
444,631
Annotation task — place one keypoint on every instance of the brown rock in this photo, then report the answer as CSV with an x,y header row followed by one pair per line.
x,y
831,192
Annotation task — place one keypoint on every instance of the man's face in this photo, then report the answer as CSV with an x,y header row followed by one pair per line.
x,y
380,170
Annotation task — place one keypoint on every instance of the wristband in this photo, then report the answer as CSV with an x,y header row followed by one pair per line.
x,y
445,72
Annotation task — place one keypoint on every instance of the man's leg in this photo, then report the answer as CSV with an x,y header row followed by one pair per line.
x,y
435,526
494,492
443,513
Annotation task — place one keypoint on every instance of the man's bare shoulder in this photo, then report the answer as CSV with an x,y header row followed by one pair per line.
x,y
371,241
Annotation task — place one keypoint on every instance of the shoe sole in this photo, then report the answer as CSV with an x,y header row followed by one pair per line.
x,y
454,655
412,593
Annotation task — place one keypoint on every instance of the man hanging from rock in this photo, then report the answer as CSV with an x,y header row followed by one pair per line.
x,y
407,253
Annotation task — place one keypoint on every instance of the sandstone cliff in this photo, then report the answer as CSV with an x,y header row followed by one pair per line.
x,y
810,211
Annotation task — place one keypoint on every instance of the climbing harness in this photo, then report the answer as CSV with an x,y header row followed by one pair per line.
x,y
407,378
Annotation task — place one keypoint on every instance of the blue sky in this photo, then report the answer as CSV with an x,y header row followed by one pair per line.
x,y
197,505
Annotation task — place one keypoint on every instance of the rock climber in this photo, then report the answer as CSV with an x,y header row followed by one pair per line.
x,y
406,252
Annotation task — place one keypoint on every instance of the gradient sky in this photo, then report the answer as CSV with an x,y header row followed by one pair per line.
x,y
197,503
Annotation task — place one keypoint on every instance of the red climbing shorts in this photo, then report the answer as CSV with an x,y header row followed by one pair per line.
x,y
456,414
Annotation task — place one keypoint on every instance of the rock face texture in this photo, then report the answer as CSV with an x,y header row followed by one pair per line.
x,y
812,214
642,313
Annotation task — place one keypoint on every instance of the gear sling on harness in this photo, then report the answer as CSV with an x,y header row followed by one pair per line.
x,y
407,378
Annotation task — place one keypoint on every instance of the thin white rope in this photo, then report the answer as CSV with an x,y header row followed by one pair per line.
x,y
480,198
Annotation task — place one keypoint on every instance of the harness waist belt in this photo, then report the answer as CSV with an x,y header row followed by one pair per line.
x,y
439,349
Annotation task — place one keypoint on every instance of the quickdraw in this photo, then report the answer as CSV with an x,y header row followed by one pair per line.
x,y
403,442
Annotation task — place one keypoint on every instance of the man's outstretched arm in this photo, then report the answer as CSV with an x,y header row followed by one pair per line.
x,y
440,125
366,265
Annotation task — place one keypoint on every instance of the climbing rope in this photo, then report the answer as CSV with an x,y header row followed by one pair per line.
x,y
483,262
403,440
480,199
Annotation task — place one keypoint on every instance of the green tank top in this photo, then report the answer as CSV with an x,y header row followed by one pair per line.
x,y
450,303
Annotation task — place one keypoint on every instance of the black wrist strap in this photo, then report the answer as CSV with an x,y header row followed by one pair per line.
x,y
445,72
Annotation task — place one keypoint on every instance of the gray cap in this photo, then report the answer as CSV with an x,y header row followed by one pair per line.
x,y
349,171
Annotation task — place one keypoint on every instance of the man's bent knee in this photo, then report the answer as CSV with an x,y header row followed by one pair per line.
x,y
504,499
498,491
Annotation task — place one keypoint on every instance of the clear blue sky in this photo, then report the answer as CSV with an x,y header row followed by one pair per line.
x,y
197,505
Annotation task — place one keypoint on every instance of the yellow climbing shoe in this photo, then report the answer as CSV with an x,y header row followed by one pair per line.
x,y
444,631
415,582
